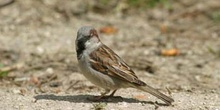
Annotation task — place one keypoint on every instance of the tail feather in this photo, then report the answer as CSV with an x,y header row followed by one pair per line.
x,y
156,93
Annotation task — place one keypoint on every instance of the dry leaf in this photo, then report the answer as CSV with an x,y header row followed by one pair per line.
x,y
58,90
22,91
163,28
108,30
34,80
140,97
170,52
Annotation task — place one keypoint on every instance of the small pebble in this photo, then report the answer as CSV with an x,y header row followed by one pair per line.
x,y
50,70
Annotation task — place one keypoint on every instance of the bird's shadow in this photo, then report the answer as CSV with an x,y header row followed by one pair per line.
x,y
85,99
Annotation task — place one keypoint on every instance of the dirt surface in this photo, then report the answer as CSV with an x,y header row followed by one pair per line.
x,y
38,63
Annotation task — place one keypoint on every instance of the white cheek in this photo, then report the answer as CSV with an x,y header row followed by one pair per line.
x,y
88,44
92,44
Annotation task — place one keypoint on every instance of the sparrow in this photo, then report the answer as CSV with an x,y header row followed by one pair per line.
x,y
104,68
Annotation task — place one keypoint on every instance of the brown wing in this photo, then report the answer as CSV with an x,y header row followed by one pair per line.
x,y
107,62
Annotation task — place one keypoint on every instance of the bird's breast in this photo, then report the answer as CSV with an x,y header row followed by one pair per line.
x,y
96,77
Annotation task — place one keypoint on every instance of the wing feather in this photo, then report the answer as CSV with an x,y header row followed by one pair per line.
x,y
107,62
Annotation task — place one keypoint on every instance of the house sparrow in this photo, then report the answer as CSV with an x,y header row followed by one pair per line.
x,y
104,68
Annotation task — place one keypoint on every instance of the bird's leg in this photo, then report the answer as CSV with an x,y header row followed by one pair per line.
x,y
97,98
113,92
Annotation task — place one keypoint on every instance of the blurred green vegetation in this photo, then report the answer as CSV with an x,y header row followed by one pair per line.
x,y
1,65
2,73
104,2
214,52
140,4
149,3
99,106
215,16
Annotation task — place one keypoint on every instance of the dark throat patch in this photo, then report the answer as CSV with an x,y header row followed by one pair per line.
x,y
81,46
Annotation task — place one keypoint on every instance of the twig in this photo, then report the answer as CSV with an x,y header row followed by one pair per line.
x,y
168,90
11,68
7,2
72,85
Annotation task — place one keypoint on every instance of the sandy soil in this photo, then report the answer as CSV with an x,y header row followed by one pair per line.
x,y
37,54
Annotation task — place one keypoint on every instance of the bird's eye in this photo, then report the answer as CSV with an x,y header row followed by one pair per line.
x,y
87,37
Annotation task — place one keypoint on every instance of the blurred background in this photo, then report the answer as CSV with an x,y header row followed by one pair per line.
x,y
168,43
